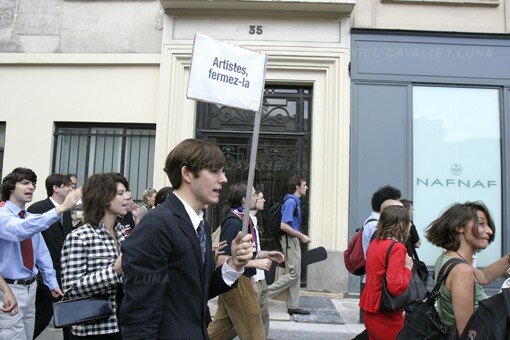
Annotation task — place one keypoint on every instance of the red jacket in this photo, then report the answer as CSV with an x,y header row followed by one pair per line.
x,y
397,277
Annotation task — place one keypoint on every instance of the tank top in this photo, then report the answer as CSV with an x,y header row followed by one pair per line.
x,y
444,305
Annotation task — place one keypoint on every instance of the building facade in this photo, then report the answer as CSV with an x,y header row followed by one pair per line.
x,y
101,86
79,87
432,91
358,94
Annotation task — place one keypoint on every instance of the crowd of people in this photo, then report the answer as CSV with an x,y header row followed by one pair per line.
x,y
155,263
462,230
158,267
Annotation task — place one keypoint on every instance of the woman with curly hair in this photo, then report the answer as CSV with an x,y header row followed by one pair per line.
x,y
148,202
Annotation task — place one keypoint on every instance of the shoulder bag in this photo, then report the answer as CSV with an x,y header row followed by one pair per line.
x,y
424,322
414,292
78,311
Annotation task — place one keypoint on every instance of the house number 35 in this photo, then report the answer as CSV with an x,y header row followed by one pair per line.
x,y
255,29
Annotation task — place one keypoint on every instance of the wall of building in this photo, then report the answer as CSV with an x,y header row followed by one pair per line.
x,y
386,67
298,53
128,62
476,16
59,26
38,90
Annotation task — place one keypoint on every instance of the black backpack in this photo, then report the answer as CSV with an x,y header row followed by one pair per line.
x,y
274,218
491,319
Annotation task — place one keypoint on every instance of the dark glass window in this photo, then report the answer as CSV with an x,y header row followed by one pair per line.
x,y
89,149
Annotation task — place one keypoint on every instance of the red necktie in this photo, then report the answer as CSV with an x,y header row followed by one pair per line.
x,y
27,251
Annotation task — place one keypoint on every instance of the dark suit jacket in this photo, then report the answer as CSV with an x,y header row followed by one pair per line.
x,y
166,286
56,234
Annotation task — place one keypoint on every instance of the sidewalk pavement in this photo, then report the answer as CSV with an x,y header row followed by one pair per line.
x,y
332,317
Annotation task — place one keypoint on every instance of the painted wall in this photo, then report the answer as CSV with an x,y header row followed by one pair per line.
x,y
35,95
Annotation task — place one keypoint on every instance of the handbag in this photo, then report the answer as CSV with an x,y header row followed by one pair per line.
x,y
420,268
79,311
424,322
416,290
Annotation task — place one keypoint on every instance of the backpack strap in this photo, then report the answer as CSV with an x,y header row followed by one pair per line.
x,y
230,215
285,200
366,222
441,277
369,220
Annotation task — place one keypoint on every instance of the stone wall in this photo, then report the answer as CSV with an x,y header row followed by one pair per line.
x,y
76,26
328,276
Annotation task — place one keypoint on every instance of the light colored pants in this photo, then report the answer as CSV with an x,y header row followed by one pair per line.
x,y
238,309
21,325
263,296
292,277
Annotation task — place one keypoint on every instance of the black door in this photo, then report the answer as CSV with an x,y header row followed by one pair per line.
x,y
283,151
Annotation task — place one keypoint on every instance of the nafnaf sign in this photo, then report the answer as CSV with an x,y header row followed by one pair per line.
x,y
226,74
458,181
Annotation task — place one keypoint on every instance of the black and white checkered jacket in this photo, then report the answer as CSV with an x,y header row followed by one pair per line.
x,y
88,269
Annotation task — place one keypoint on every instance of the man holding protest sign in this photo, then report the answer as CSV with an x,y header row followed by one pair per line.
x,y
169,271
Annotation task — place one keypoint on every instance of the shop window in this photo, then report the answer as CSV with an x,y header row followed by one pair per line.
x,y
86,150
456,157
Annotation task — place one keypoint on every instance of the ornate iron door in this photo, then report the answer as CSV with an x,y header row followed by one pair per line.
x,y
283,151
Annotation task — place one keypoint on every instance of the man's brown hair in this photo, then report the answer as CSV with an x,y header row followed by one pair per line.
x,y
294,182
196,155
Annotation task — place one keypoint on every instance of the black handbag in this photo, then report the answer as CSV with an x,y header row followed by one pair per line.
x,y
420,267
414,292
424,322
79,311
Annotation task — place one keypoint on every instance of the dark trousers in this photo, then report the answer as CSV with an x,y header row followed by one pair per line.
x,y
44,311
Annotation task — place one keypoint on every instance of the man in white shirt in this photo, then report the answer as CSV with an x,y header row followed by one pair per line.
x,y
260,276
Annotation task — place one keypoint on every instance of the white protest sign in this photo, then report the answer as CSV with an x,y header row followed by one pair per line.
x,y
226,74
